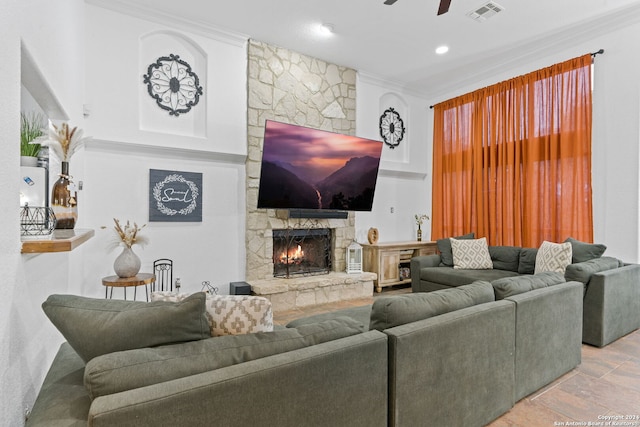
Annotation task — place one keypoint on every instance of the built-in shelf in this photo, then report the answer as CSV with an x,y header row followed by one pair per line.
x,y
61,241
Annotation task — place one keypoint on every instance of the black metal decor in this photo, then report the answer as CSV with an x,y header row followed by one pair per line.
x,y
391,128
172,83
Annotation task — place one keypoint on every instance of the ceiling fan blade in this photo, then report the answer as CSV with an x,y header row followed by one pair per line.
x,y
444,6
390,2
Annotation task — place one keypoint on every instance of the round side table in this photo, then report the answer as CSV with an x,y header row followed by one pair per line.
x,y
140,279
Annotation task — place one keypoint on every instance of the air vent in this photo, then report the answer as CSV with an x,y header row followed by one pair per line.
x,y
485,11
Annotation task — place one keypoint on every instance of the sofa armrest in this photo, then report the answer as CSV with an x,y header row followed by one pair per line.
x,y
548,335
417,264
611,305
275,388
582,271
455,369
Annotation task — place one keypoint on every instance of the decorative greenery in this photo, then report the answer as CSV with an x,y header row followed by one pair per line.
x,y
63,141
31,127
128,235
420,219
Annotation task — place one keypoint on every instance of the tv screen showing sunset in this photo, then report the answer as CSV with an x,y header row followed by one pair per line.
x,y
305,168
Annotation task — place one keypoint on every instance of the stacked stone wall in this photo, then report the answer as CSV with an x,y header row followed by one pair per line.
x,y
292,88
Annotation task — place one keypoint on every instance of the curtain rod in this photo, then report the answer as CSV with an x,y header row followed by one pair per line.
x,y
599,52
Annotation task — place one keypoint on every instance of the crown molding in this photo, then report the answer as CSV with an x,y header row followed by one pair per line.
x,y
386,83
159,17
489,65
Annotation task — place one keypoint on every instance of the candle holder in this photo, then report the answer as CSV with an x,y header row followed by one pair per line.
x,y
36,222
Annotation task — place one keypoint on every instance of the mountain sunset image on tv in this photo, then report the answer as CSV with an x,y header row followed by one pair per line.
x,y
305,168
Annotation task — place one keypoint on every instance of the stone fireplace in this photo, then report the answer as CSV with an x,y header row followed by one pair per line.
x,y
292,88
289,87
301,252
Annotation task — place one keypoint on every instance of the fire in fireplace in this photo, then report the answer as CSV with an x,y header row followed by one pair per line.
x,y
301,252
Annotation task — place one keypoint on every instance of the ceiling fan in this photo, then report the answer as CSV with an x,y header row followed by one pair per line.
x,y
444,5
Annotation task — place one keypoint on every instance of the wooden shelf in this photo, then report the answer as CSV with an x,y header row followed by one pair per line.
x,y
61,241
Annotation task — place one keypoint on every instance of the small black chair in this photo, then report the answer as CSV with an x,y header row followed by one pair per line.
x,y
163,270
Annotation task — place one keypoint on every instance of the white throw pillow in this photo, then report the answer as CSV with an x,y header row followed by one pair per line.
x,y
553,257
471,254
231,314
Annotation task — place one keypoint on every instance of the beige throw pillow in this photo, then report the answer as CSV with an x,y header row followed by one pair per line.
x,y
231,314
553,257
471,254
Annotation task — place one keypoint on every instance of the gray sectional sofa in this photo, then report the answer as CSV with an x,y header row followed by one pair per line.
x,y
463,356
611,287
321,374
460,356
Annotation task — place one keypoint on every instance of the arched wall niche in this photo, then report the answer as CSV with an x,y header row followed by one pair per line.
x,y
153,118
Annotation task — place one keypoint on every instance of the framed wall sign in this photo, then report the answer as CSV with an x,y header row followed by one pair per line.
x,y
175,196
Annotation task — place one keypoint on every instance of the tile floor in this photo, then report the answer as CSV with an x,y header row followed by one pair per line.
x,y
605,384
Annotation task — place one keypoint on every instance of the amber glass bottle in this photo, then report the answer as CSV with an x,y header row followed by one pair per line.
x,y
64,200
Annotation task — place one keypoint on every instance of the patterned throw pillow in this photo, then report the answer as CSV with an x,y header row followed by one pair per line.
x,y
553,257
231,314
471,254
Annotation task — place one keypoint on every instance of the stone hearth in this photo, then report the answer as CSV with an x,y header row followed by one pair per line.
x,y
288,294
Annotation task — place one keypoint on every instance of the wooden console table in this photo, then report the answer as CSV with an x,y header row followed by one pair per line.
x,y
390,261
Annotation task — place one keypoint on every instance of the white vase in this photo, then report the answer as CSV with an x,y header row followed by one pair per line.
x,y
28,161
127,264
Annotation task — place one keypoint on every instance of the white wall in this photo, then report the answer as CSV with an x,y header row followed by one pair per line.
x,y
132,135
404,187
53,34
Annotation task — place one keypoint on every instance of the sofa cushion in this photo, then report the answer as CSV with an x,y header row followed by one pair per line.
x,y
448,276
582,271
505,257
516,285
361,314
553,257
126,370
231,314
100,326
397,310
471,254
527,264
444,247
582,251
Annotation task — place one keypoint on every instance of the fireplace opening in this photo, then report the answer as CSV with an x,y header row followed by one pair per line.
x,y
301,252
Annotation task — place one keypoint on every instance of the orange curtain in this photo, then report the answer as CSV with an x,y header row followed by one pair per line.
x,y
512,162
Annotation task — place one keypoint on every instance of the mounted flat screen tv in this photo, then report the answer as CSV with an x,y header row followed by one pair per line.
x,y
311,169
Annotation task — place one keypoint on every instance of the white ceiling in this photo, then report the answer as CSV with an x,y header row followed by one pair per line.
x,y
397,42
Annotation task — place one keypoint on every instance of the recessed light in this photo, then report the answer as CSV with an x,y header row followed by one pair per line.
x,y
326,29
440,50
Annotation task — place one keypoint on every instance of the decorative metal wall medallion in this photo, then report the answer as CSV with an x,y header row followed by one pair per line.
x,y
172,83
391,128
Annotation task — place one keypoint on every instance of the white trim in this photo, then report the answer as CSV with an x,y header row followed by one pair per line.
x,y
159,17
173,152
487,66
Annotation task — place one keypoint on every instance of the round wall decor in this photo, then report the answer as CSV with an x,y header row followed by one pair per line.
x,y
391,128
172,83
372,235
